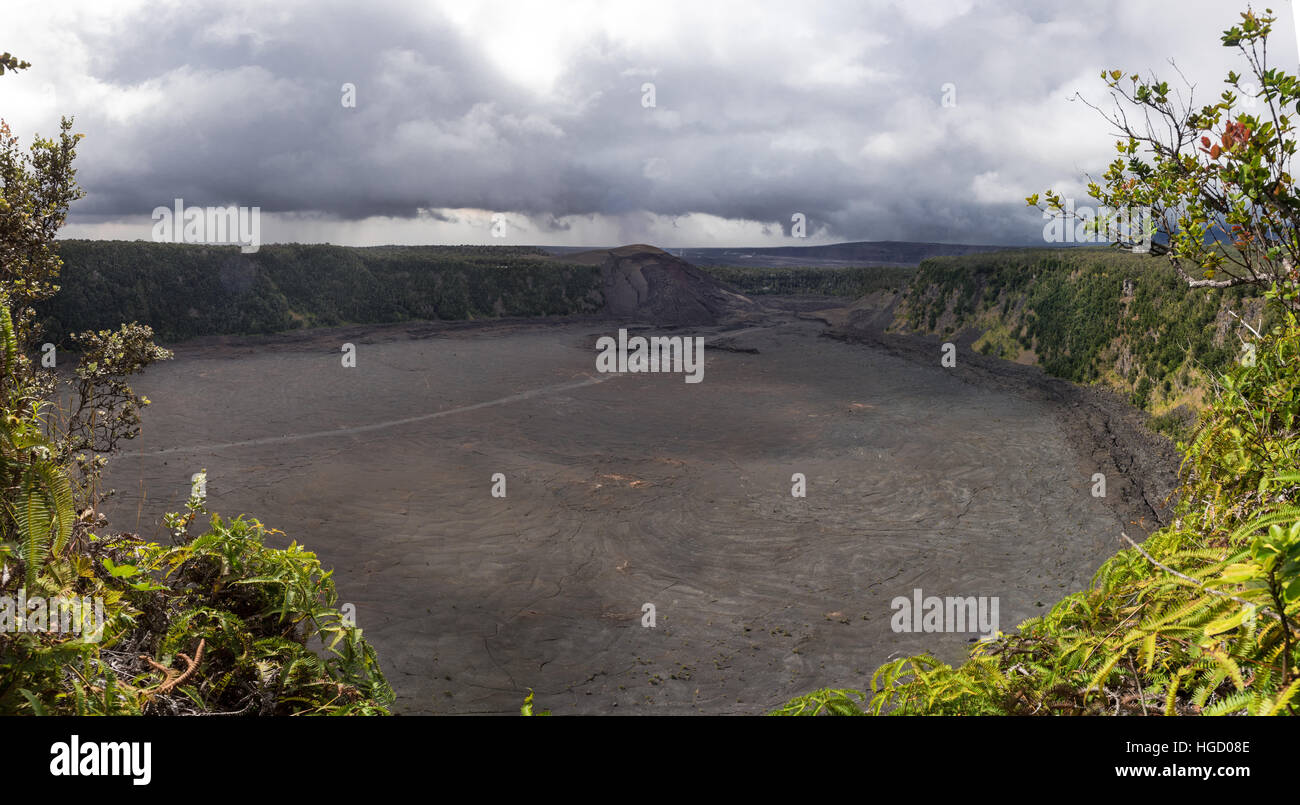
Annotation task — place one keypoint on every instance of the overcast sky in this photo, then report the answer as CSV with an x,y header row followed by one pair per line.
x,y
833,110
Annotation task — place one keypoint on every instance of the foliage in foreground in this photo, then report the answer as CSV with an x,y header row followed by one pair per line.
x,y
256,629
1201,619
223,624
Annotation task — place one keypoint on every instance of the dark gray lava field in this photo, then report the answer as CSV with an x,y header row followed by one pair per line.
x,y
630,489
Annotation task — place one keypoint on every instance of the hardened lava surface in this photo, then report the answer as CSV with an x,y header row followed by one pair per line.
x,y
621,491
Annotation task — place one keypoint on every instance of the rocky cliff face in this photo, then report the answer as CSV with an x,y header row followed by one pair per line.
x,y
1091,316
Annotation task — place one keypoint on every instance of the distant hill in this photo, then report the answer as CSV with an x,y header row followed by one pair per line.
x,y
863,253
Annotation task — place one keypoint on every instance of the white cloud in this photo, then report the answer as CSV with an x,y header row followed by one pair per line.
x,y
991,188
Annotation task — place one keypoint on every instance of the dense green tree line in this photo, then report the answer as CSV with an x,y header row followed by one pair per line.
x,y
183,290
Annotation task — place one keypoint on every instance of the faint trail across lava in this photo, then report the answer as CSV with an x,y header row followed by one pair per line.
x,y
391,423
316,434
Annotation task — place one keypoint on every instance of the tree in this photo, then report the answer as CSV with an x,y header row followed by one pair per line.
x,y
36,189
11,63
1224,207
35,496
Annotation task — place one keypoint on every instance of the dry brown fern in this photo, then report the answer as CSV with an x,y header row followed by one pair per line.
x,y
172,678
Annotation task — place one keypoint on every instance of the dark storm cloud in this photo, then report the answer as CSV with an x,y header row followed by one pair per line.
x,y
862,146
